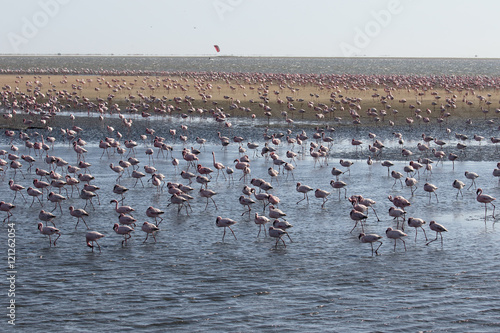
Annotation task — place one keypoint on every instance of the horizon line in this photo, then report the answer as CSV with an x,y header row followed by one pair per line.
x,y
229,56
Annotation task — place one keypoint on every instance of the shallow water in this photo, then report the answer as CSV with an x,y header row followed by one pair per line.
x,y
190,280
377,66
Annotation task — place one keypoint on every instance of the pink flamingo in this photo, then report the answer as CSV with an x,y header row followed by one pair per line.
x,y
33,192
261,197
6,207
246,201
154,213
149,228
204,170
79,214
126,219
57,199
428,187
366,202
93,236
122,209
124,230
459,185
206,193
439,229
396,213
371,238
303,189
46,216
218,166
16,188
261,220
49,231
358,217
339,185
486,199
347,164
223,223
417,223
399,201
282,225
322,194
396,234
472,176
275,213
278,234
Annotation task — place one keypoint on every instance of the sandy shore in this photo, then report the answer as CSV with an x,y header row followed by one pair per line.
x,y
289,98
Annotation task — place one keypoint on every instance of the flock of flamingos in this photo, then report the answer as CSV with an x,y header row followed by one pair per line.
x,y
34,156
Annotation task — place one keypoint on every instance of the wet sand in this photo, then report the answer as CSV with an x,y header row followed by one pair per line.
x,y
290,97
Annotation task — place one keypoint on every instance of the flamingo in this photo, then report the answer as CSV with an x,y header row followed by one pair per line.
x,y
459,185
126,219
93,236
411,182
496,172
275,213
204,170
336,172
124,230
33,192
357,216
397,175
261,197
282,225
223,223
396,213
206,193
122,209
218,166
261,220
87,196
396,234
149,228
399,201
347,164
370,238
278,234
472,176
79,214
49,231
273,173
303,189
428,187
46,216
339,185
417,223
119,189
16,188
246,201
6,207
486,199
439,229
452,157
387,164
138,176
57,199
154,213
366,202
322,194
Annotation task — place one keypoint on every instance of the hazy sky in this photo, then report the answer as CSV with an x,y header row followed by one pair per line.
x,y
324,28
